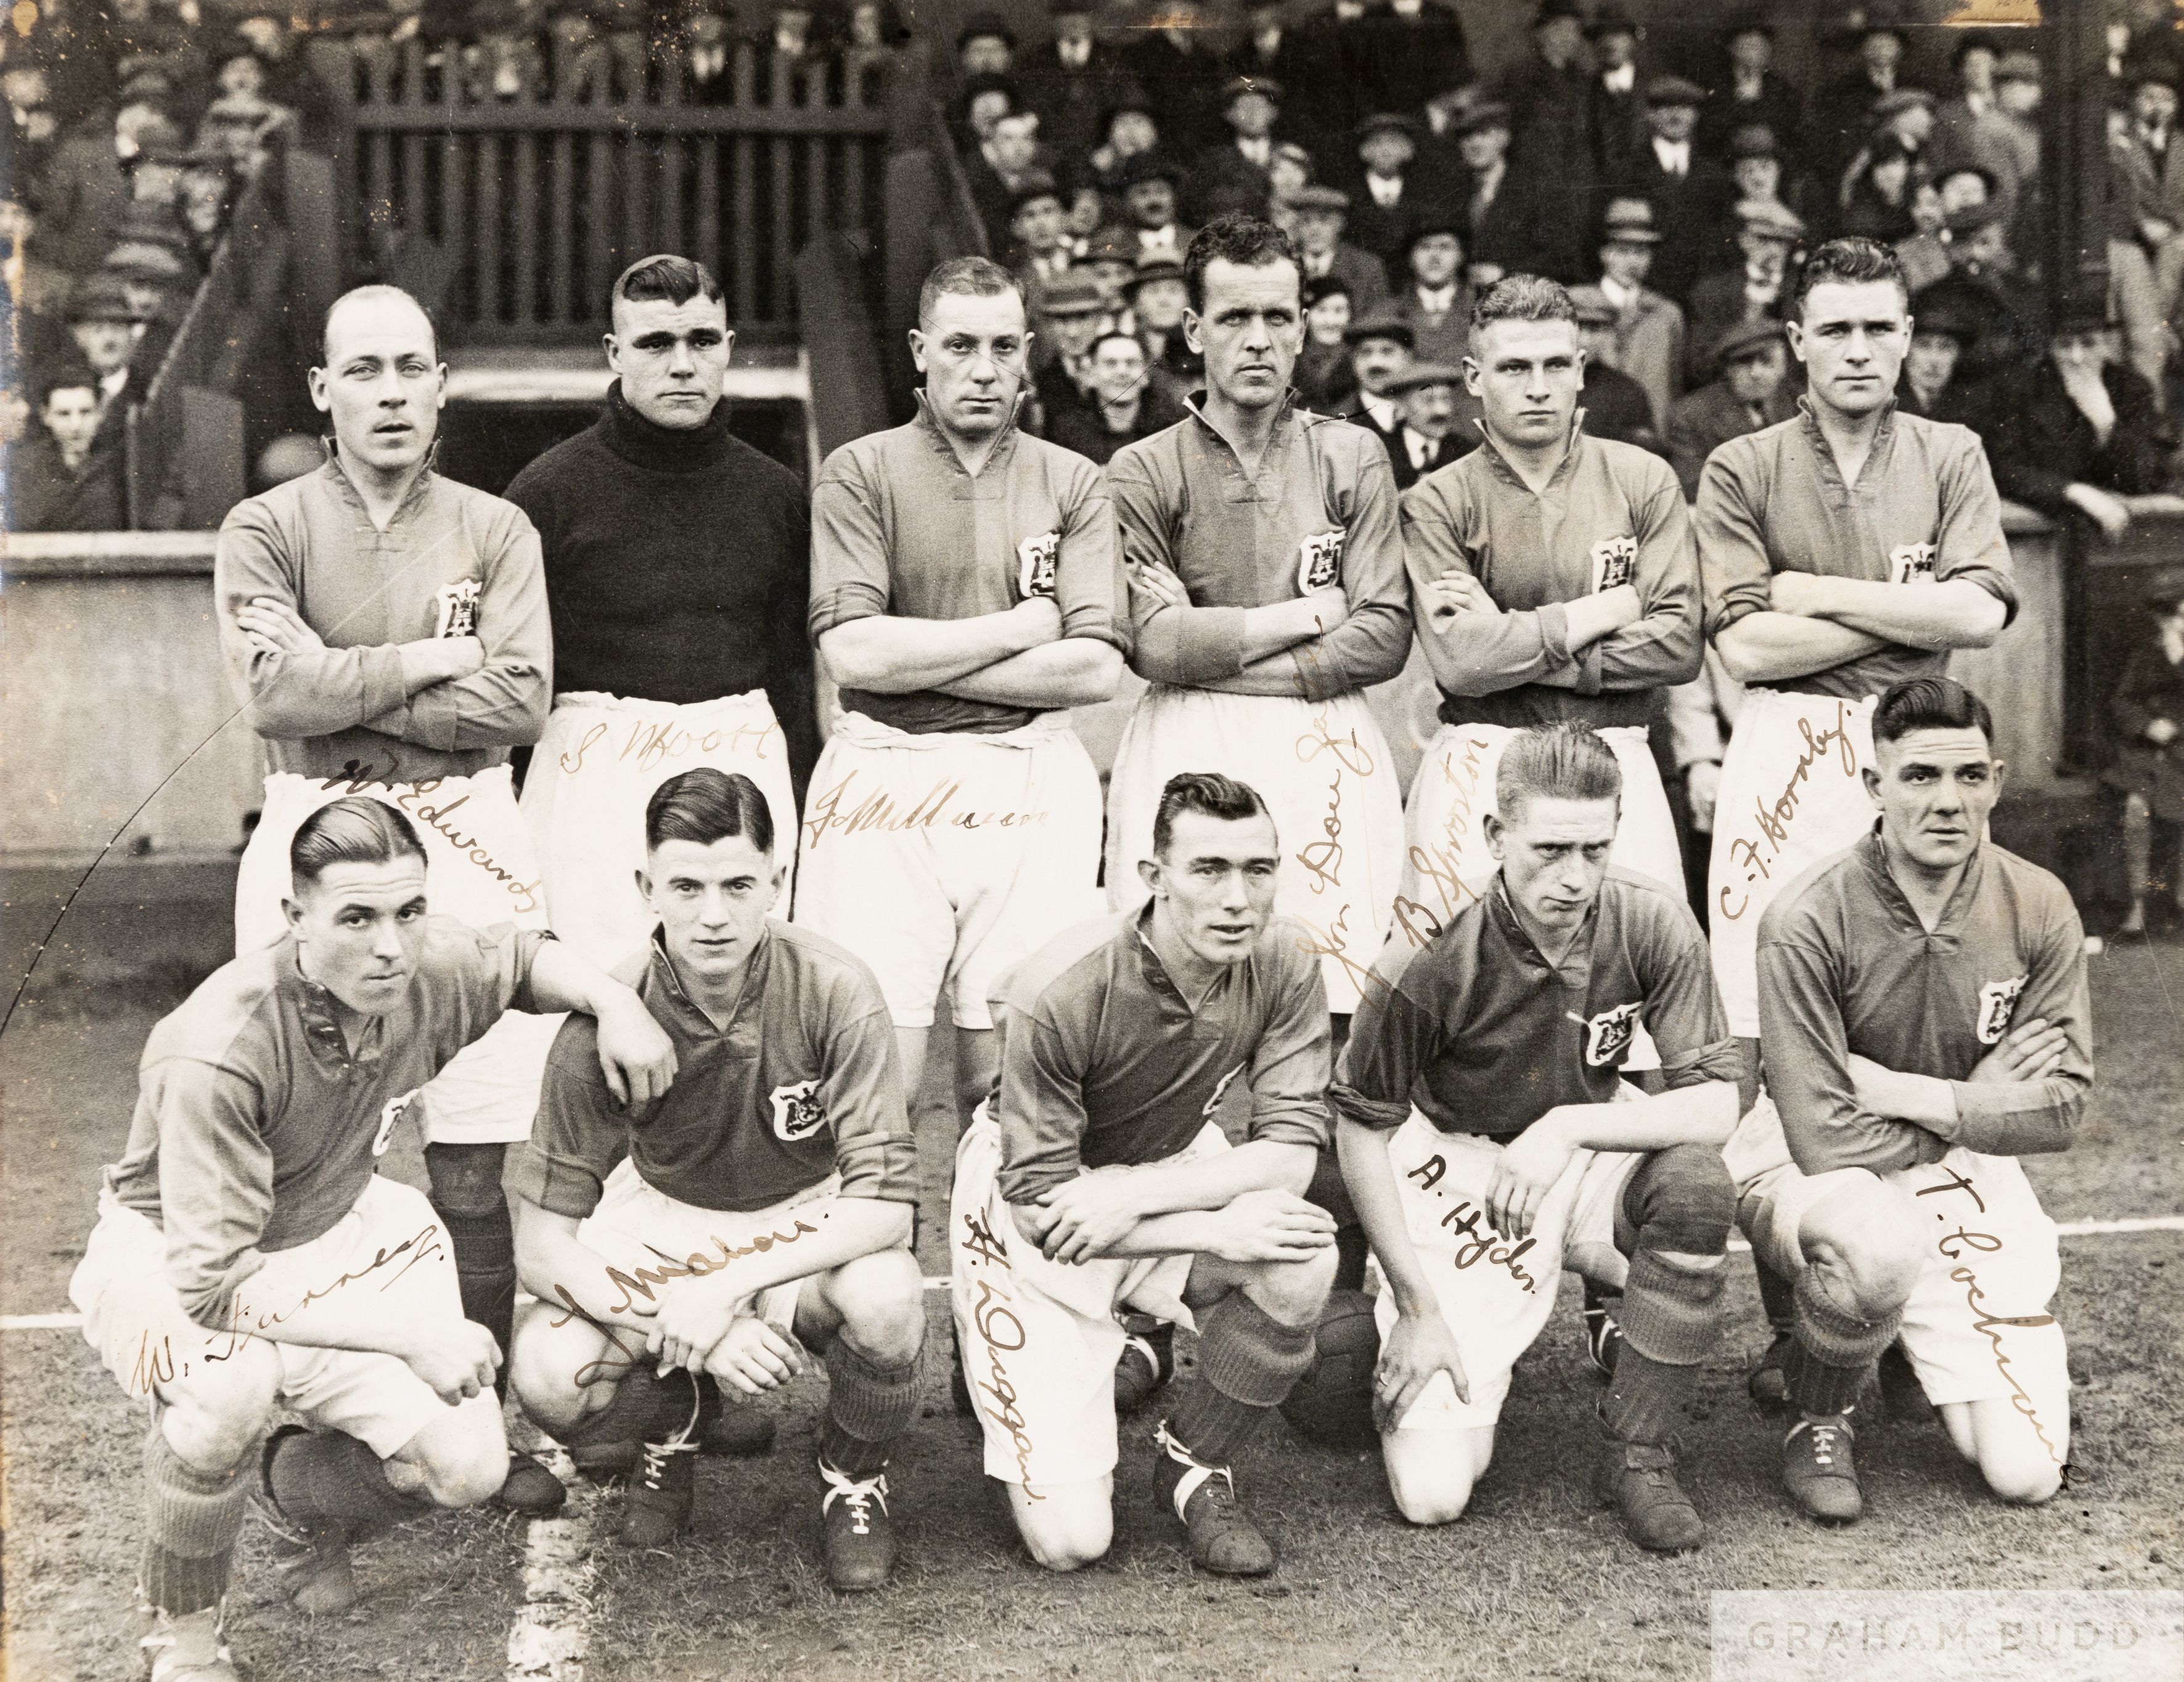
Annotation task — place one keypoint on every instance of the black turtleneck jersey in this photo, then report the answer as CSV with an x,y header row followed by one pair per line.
x,y
678,566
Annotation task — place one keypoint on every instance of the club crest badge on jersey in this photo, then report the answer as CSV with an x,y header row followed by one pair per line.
x,y
797,1112
1911,563
458,608
389,1119
1997,1004
1036,557
1614,561
1608,1035
1319,559
1219,1090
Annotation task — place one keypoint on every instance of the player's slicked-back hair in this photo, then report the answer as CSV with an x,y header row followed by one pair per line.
x,y
1207,792
354,830
965,277
1930,704
1852,261
1523,297
1567,761
371,295
667,279
1239,237
708,805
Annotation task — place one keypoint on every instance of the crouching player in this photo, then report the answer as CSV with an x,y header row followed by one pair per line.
x,y
1923,1009
1488,1142
247,1257
1097,1177
761,1209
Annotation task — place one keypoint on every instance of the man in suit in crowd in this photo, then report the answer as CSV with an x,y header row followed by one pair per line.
x,y
1069,80
1750,92
1234,175
1649,329
1550,100
1751,363
1501,209
1380,342
1685,188
1388,189
1436,424
1767,233
1618,110
1434,299
1321,214
1404,53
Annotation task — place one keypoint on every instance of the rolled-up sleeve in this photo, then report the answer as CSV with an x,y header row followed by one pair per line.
x,y
850,577
875,1150
1186,645
1735,573
505,701
1391,1038
579,1134
2027,1118
1290,1068
1371,645
1683,1006
1662,648
1970,544
311,692
1808,1071
1042,1107
216,1186
1481,653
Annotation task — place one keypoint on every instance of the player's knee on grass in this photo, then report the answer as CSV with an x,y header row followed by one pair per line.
x,y
1066,1525
215,1418
880,1299
458,1460
1997,1438
1867,1237
1432,1473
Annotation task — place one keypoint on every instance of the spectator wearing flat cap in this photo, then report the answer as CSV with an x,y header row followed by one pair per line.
x,y
1649,332
1972,128
1749,390
1759,168
1181,73
1687,191
1986,289
1750,92
1322,377
106,334
1404,53
1151,186
1753,288
1110,261
1841,114
1615,405
1039,247
1618,98
1237,174
1073,312
1128,403
1877,204
1501,208
1389,187
985,45
1322,214
1549,94
1069,80
1433,298
1930,385
1160,297
2150,166
1379,350
1436,420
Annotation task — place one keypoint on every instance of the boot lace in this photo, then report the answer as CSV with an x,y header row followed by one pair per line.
x,y
856,1493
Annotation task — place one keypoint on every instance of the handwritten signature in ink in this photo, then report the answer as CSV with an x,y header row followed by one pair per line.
x,y
1484,1244
1773,818
651,743
1442,865
1002,1333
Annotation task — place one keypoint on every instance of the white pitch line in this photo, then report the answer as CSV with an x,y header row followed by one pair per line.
x,y
552,1633
2067,1229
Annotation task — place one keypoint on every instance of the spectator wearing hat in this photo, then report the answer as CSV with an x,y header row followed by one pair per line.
x,y
2145,771
1237,174
107,332
1039,246
1767,232
1160,298
1877,203
1181,73
1271,51
1322,377
1759,168
1751,363
1321,214
1549,94
1649,332
1379,342
1688,192
1073,312
1749,92
1110,260
68,477
1069,80
1127,402
982,102
1615,405
1389,189
1973,130
1434,425
1434,299
1131,128
1618,104
87,190
1925,251
1841,113
985,46
1404,52
1941,333
2149,167
1499,206
994,173
1984,287
1150,185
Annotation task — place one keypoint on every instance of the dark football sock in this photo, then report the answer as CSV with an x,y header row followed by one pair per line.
x,y
868,1408
328,1480
646,1408
1247,1362
1648,1400
192,1521
1777,1295
1827,1363
466,1195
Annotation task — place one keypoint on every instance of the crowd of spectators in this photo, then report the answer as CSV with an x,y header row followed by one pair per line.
x,y
133,128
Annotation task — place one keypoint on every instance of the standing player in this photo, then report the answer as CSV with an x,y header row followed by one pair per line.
x,y
1488,1142
762,1207
1842,550
1923,1004
964,590
1097,1177
387,630
1267,586
247,1257
1555,580
678,565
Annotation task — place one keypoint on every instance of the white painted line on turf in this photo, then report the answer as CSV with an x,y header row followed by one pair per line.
x,y
552,1633
2067,1229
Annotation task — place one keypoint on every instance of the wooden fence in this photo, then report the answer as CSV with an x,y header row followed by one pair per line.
x,y
537,177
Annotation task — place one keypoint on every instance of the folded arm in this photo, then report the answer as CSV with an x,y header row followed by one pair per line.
x,y
1945,614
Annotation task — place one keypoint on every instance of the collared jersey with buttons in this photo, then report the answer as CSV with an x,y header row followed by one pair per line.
x,y
1611,514
1925,508
802,1080
1483,1034
899,527
1846,969
1103,1061
257,1127
1324,500
453,561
